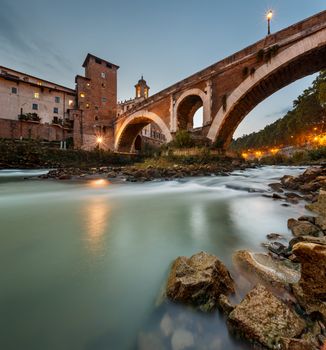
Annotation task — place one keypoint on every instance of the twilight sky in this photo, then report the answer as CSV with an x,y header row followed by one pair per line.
x,y
164,40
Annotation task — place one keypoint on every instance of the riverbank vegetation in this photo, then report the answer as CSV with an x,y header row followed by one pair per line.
x,y
304,124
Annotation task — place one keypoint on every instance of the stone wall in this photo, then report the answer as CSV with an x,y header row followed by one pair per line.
x,y
14,129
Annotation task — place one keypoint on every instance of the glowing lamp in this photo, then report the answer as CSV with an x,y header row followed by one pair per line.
x,y
269,14
99,139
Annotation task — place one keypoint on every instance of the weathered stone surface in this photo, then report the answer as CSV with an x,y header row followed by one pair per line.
x,y
302,228
321,221
320,205
296,344
309,218
199,281
313,268
276,186
262,268
262,318
224,304
309,239
274,236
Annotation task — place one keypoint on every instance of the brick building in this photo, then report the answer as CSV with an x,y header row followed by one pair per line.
x,y
31,107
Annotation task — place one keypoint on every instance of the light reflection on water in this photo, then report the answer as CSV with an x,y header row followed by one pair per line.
x,y
81,264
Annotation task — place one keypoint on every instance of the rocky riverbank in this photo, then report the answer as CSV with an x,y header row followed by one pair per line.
x,y
140,173
284,306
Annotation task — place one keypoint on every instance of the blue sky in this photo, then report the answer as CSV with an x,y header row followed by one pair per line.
x,y
164,40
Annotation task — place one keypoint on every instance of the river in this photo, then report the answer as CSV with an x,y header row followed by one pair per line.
x,y
82,263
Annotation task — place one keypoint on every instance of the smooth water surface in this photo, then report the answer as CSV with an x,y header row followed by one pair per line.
x,y
82,263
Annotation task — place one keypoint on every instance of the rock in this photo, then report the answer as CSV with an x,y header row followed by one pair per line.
x,y
262,318
321,222
182,339
302,228
64,177
309,239
311,173
277,196
224,304
308,218
310,305
290,182
310,187
199,281
276,186
295,344
320,205
278,249
275,236
262,268
313,268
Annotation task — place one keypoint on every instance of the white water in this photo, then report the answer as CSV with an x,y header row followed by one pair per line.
x,y
81,263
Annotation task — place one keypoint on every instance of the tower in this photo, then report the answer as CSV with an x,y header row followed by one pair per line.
x,y
142,89
97,103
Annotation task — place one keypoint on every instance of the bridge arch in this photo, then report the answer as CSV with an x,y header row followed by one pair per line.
x,y
297,61
186,106
132,126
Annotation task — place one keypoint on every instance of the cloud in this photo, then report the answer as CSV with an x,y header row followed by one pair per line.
x,y
20,44
279,113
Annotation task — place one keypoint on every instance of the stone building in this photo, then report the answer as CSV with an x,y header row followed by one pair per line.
x,y
31,107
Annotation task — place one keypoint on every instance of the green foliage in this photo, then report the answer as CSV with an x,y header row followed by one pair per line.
x,y
29,117
260,55
224,102
245,71
183,139
307,111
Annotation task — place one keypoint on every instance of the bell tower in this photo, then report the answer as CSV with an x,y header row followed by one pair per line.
x,y
142,89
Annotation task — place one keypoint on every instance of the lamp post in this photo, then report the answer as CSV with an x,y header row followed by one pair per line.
x,y
269,17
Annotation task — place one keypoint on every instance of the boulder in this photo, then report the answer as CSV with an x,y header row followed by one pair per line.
x,y
296,344
312,257
309,239
262,268
273,236
290,182
302,228
262,318
276,186
320,205
199,281
320,221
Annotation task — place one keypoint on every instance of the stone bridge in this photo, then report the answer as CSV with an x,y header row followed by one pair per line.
x,y
229,89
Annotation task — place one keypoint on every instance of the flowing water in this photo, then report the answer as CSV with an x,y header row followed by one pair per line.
x,y
82,263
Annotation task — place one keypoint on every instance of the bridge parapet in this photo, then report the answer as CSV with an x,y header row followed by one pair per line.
x,y
281,38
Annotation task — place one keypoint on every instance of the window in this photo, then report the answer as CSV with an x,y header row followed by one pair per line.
x,y
103,99
97,60
103,75
14,90
57,99
56,110
71,102
39,83
109,65
36,95
103,85
35,106
87,105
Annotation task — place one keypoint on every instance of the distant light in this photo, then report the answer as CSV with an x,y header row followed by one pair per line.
x,y
99,139
269,15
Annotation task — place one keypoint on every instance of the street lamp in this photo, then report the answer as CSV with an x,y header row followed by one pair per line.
x,y
269,17
99,139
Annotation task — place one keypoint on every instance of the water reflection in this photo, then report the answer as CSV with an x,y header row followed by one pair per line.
x,y
96,213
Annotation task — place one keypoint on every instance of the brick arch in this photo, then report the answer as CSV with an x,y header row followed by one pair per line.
x,y
297,61
187,105
133,125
